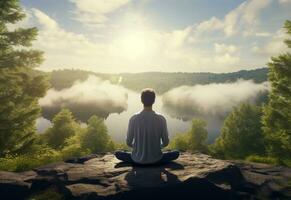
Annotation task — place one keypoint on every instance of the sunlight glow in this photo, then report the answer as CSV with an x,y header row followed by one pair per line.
x,y
133,45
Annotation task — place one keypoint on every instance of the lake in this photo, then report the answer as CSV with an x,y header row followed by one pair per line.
x,y
117,123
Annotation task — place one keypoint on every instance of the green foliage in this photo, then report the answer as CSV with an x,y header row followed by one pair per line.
x,y
193,140
160,81
96,137
180,142
262,159
73,147
20,85
277,116
121,146
287,27
64,127
48,194
241,134
198,135
29,161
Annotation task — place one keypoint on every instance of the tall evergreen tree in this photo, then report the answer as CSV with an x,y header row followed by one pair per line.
x,y
241,134
194,139
20,84
198,135
96,138
64,127
277,115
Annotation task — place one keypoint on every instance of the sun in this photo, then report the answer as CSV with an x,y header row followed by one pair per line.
x,y
133,45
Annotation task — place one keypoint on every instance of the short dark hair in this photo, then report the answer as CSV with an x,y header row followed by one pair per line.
x,y
148,96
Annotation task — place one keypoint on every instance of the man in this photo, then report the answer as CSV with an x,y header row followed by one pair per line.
x,y
147,134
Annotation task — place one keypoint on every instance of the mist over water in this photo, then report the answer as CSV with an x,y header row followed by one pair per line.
x,y
216,99
180,105
84,99
211,102
117,123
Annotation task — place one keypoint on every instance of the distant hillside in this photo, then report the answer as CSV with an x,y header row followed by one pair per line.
x,y
160,81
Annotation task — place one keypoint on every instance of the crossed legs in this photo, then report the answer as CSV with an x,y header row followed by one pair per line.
x,y
167,156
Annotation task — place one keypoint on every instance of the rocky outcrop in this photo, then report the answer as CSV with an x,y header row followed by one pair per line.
x,y
192,176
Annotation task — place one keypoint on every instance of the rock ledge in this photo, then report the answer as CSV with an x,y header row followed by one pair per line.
x,y
192,176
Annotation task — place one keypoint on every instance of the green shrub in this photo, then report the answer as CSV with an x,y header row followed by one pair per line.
x,y
49,194
29,161
74,150
192,140
241,133
64,127
96,136
262,159
121,146
180,142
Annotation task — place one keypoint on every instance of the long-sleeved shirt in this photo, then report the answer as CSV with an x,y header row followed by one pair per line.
x,y
147,134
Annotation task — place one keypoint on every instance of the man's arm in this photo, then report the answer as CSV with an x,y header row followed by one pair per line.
x,y
129,138
165,135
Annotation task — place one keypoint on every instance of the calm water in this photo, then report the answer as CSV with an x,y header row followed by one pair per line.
x,y
117,123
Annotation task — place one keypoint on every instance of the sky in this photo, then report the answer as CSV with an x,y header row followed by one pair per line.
x,y
114,36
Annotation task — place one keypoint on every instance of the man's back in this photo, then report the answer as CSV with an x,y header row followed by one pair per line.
x,y
147,134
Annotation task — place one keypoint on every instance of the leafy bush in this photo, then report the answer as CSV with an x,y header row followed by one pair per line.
x,y
193,140
180,142
262,159
73,148
121,146
64,127
49,194
96,138
241,134
29,161
276,114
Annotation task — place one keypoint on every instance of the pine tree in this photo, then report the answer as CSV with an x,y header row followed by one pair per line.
x,y
194,139
20,84
241,134
96,138
277,115
64,127
198,135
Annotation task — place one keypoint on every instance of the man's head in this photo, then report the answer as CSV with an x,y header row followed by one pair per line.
x,y
148,97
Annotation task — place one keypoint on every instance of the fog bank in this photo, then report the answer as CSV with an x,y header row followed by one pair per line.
x,y
84,99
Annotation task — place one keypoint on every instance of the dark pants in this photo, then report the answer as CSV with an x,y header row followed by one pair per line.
x,y
167,157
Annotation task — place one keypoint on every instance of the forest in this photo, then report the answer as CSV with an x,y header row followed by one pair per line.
x,y
161,81
258,133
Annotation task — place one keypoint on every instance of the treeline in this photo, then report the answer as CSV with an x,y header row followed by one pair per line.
x,y
66,139
261,133
163,82
21,86
255,133
160,81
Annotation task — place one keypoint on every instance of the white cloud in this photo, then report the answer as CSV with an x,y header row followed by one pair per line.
x,y
63,48
242,19
95,12
262,34
212,99
284,1
275,46
92,96
210,25
134,45
226,59
223,48
226,54
44,20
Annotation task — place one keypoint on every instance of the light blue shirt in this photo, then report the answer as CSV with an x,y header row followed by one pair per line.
x,y
147,134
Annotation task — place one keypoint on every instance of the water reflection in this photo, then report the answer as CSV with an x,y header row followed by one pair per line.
x,y
179,106
117,123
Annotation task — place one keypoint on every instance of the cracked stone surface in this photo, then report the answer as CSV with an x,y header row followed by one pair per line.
x,y
193,175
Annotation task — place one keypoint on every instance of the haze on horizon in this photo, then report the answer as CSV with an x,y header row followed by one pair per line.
x,y
115,36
